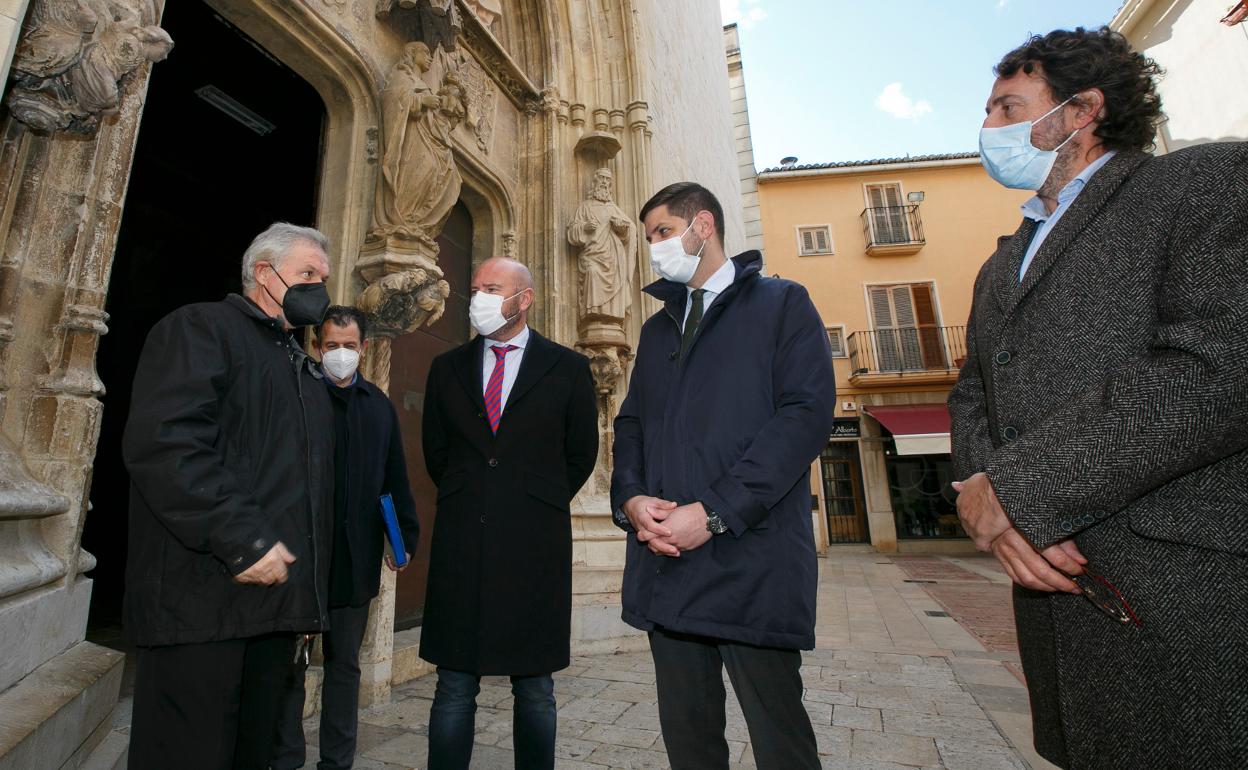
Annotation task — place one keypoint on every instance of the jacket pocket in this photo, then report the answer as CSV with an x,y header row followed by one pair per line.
x,y
547,490
1214,525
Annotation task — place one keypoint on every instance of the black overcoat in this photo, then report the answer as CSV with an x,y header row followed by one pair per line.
x,y
500,574
735,426
229,446
1106,398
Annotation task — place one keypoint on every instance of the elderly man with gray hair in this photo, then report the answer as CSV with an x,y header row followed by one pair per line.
x,y
231,468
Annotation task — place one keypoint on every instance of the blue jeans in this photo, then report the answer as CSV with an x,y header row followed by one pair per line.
x,y
452,721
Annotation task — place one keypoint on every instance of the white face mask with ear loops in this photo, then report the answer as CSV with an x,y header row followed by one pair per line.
x,y
485,311
670,260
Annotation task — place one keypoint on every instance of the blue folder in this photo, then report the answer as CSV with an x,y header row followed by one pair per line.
x,y
392,530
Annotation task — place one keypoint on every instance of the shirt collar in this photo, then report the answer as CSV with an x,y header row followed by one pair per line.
x,y
721,279
521,340
1034,208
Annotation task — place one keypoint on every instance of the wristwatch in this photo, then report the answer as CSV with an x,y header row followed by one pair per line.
x,y
714,524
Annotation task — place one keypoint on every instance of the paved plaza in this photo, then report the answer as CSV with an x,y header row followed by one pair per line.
x,y
915,667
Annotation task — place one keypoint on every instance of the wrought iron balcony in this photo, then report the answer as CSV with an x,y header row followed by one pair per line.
x,y
893,229
908,350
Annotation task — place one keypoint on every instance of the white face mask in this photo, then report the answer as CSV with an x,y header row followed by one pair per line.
x,y
670,260
485,311
341,363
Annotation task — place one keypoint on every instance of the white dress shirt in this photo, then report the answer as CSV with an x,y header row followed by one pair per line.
x,y
510,369
720,280
1034,209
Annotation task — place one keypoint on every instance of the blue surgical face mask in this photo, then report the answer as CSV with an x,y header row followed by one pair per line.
x,y
1010,158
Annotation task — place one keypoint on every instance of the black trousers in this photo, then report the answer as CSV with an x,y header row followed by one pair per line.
x,y
340,697
689,675
210,706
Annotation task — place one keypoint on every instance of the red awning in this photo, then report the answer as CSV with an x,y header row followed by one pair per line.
x,y
918,429
1236,14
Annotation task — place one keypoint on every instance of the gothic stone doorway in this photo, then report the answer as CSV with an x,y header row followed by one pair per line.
x,y
230,141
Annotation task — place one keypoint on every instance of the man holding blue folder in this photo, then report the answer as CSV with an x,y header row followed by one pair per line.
x,y
368,463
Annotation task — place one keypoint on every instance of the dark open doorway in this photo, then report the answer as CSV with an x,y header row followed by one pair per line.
x,y
230,141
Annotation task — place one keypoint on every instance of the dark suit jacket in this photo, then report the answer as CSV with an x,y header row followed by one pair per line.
x,y
500,574
1106,397
375,465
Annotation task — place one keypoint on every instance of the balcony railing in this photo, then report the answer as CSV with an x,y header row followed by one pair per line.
x,y
908,350
893,229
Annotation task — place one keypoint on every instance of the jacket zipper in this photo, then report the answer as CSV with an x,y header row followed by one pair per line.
x,y
307,454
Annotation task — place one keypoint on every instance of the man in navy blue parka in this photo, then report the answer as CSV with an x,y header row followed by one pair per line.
x,y
731,399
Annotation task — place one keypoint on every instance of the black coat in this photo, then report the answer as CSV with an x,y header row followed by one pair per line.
x,y
230,450
374,466
1106,398
735,426
500,573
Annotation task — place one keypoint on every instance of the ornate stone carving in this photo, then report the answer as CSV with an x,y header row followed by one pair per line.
x,y
419,182
496,62
69,63
400,301
482,101
436,23
606,241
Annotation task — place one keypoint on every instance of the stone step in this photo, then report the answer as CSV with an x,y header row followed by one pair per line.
x,y
57,714
111,754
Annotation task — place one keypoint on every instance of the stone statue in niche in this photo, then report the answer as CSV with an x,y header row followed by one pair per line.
x,y
606,238
486,10
68,65
419,182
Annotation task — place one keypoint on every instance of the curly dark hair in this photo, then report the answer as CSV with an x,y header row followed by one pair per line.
x,y
1074,61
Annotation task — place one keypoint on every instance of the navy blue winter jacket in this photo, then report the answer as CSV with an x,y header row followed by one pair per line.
x,y
735,426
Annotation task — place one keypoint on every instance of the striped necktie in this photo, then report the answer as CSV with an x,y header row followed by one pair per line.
x,y
494,388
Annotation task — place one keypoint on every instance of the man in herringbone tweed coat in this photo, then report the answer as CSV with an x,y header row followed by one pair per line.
x,y
1101,418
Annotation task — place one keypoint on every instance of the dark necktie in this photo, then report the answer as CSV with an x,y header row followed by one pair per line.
x,y
692,321
494,388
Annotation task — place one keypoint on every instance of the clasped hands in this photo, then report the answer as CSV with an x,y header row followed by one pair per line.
x,y
990,529
665,527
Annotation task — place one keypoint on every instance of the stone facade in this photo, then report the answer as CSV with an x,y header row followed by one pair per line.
x,y
535,97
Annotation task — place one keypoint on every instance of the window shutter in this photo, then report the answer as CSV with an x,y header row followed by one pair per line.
x,y
821,239
808,241
881,311
837,341
924,310
904,306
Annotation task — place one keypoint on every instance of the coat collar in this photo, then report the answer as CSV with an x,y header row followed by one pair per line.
x,y
674,295
297,354
1099,191
540,355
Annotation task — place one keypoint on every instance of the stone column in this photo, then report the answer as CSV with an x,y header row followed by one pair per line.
x,y
62,196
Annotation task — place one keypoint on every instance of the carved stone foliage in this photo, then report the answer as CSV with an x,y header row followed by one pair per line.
x,y
406,297
482,101
436,23
72,57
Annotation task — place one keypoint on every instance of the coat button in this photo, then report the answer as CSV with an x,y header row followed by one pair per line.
x,y
1066,525
1003,358
480,414
493,463
1009,433
482,518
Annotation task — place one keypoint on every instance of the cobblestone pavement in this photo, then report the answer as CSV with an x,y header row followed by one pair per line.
x,y
906,674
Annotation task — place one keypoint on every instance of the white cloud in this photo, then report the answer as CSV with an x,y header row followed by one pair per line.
x,y
895,102
746,13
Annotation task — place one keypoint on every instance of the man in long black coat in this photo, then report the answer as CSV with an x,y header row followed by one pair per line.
x,y
1101,419
510,434
230,456
731,399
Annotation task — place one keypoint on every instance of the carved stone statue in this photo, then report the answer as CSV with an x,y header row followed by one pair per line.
x,y
606,238
419,183
436,23
68,65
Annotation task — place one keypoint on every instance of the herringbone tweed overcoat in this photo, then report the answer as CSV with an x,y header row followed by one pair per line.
x,y
1106,398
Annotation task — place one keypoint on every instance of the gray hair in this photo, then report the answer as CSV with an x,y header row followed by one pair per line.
x,y
274,244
